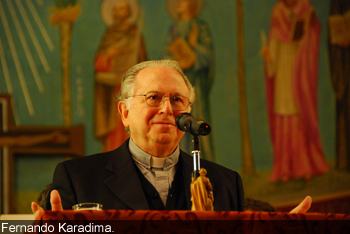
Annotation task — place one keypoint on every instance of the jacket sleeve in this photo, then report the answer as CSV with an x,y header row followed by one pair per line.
x,y
63,184
240,192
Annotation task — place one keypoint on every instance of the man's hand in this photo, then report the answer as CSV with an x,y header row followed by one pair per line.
x,y
303,207
37,211
56,205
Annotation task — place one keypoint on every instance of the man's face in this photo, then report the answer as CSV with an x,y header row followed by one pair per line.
x,y
155,126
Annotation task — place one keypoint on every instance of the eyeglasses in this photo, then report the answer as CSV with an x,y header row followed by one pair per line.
x,y
156,99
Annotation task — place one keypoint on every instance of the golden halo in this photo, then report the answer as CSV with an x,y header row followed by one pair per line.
x,y
107,8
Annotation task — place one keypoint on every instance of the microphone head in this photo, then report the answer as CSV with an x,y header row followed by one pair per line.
x,y
187,123
181,121
204,129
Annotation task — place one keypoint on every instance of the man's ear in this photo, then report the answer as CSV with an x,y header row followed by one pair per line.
x,y
124,113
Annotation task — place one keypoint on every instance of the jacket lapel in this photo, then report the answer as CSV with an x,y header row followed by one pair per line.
x,y
125,182
187,176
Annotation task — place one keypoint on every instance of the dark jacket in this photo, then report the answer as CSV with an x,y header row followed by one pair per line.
x,y
111,179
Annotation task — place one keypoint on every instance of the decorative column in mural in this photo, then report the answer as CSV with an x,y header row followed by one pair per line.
x,y
339,59
64,14
247,157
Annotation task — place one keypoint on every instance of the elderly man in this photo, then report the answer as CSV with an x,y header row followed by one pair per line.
x,y
148,171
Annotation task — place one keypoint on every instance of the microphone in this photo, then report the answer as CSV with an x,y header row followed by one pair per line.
x,y
187,123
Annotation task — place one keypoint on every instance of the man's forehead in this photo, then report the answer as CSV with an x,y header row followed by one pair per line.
x,y
158,69
152,78
158,73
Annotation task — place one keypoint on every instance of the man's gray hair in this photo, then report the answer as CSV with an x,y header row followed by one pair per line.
x,y
128,81
127,87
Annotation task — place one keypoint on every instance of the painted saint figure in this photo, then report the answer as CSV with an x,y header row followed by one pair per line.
x,y
291,67
189,42
121,47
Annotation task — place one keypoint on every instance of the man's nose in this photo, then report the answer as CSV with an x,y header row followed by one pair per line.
x,y
167,107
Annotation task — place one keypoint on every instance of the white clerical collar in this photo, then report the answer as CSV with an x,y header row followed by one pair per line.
x,y
157,162
148,161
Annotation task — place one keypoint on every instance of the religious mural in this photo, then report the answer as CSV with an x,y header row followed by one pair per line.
x,y
62,61
120,48
17,137
291,65
64,15
189,41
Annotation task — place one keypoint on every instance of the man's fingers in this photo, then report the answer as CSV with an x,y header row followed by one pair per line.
x,y
37,211
56,204
304,206
35,207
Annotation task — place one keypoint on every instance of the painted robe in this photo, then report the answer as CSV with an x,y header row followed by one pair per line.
x,y
109,71
291,88
200,76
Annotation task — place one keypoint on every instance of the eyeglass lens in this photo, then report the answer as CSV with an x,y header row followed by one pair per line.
x,y
156,99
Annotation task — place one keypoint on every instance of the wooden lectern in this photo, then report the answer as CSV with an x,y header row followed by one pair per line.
x,y
147,221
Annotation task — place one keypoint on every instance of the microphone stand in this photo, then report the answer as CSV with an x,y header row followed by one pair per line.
x,y
196,157
187,123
